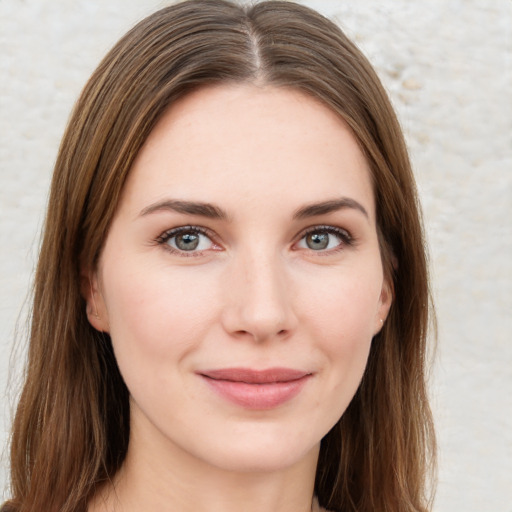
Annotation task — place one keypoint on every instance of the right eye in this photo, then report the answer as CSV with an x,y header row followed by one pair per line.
x,y
187,239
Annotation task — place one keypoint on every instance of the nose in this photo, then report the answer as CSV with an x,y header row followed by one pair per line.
x,y
259,298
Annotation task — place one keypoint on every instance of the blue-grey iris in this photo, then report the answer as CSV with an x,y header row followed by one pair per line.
x,y
317,241
187,241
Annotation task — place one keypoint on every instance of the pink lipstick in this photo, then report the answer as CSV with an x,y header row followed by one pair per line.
x,y
256,389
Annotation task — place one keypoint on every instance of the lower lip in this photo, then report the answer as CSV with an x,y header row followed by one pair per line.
x,y
257,396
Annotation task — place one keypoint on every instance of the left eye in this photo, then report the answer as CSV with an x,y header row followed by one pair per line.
x,y
324,239
187,240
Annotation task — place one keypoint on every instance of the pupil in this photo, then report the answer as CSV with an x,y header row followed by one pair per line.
x,y
187,242
317,241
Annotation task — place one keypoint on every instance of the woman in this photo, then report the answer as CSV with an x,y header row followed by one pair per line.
x,y
231,301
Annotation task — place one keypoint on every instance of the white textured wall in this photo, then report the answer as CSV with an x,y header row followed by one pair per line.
x,y
448,67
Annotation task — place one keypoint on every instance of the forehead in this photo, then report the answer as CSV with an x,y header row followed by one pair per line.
x,y
241,141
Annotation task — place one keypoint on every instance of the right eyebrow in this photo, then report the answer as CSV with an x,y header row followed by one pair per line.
x,y
207,210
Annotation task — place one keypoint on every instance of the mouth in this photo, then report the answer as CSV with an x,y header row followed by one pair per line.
x,y
256,389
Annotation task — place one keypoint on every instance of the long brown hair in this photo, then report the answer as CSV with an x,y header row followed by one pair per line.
x,y
71,429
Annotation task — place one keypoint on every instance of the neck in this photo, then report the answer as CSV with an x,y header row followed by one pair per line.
x,y
159,476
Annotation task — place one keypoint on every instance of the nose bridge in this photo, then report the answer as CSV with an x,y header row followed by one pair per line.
x,y
259,299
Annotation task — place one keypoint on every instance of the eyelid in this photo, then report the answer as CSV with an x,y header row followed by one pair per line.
x,y
170,233
345,236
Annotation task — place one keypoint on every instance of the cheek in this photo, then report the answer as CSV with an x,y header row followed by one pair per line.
x,y
341,320
156,313
345,307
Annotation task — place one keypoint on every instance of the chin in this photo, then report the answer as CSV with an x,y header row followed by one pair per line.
x,y
264,460
261,449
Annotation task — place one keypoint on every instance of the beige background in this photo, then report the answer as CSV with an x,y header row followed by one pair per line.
x,y
448,67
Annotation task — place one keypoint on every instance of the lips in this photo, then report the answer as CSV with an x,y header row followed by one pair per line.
x,y
256,389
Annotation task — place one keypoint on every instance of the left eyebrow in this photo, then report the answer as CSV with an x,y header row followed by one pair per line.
x,y
330,206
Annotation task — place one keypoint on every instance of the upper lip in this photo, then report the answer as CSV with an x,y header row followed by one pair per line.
x,y
251,376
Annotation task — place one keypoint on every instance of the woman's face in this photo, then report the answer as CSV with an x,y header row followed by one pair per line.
x,y
241,280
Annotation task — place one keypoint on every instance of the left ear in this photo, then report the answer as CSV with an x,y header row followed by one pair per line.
x,y
385,301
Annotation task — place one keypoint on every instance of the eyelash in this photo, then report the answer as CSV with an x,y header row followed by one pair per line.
x,y
171,233
346,238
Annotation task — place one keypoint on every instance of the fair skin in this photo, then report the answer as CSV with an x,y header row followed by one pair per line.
x,y
273,265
